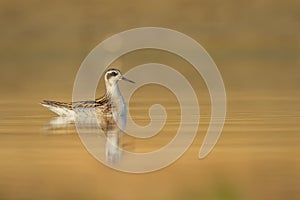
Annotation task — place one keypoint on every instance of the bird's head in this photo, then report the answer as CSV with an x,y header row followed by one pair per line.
x,y
112,76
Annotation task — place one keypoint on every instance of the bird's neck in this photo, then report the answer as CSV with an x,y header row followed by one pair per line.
x,y
113,91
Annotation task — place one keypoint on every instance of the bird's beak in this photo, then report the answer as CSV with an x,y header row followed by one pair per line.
x,y
125,79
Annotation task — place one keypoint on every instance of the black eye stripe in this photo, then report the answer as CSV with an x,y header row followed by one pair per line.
x,y
111,74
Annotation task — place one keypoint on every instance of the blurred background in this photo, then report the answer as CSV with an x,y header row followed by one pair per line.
x,y
256,46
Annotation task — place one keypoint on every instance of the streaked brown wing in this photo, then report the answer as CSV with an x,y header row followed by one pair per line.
x,y
57,104
103,101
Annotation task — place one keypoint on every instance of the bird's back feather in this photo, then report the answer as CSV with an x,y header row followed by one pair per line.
x,y
67,109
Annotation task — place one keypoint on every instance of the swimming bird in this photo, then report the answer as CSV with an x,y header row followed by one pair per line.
x,y
109,109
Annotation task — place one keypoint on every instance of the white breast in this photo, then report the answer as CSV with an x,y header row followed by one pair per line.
x,y
119,109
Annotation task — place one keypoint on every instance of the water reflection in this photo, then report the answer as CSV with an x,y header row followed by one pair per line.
x,y
102,131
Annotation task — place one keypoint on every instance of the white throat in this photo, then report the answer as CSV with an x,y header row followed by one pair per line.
x,y
113,91
119,106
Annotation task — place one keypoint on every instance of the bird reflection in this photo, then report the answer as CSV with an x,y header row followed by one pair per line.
x,y
108,135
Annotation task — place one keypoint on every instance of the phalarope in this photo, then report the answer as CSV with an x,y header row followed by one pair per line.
x,y
109,109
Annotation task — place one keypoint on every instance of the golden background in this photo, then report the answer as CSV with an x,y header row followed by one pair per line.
x,y
256,46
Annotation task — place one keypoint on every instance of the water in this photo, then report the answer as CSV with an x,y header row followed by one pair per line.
x,y
257,155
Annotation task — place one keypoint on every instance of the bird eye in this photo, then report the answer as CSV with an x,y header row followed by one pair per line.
x,y
114,73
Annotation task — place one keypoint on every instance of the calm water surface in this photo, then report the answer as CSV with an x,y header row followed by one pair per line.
x,y
258,153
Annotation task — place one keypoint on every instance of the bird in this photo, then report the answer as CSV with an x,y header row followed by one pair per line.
x,y
110,109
